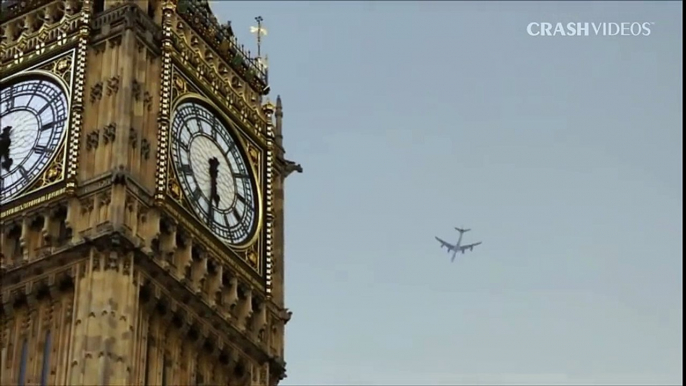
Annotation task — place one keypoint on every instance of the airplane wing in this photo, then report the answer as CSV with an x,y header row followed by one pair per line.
x,y
445,244
468,246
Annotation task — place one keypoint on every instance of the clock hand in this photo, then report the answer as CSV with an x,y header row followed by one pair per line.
x,y
5,143
214,172
214,197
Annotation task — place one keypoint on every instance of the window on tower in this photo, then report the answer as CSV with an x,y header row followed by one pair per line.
x,y
151,9
6,4
63,233
22,363
45,373
199,380
148,358
165,369
98,6
14,240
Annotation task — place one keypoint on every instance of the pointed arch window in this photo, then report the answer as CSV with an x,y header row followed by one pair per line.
x,y
165,369
148,357
45,372
151,9
199,379
98,6
22,363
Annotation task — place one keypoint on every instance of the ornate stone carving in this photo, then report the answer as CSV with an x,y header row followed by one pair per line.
x,y
142,214
93,140
136,90
104,199
96,92
61,67
126,266
252,259
112,261
145,149
113,85
175,189
120,175
114,42
109,133
133,138
99,48
86,204
96,262
147,101
130,203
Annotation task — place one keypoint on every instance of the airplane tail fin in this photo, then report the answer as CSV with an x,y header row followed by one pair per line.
x,y
461,230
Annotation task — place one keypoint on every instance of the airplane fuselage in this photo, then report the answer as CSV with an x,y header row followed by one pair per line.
x,y
457,247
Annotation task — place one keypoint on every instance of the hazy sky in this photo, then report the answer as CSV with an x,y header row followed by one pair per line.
x,y
563,154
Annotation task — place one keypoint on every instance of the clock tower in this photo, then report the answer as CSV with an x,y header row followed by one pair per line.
x,y
141,206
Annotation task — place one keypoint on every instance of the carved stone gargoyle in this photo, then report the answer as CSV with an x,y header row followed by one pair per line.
x,y
120,175
292,167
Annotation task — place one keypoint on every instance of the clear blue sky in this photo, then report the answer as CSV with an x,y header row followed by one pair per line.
x,y
564,155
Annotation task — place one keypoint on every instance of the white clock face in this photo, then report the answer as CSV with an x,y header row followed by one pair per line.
x,y
33,119
213,173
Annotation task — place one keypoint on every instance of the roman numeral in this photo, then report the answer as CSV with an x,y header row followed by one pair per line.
x,y
178,122
188,128
243,228
47,126
201,127
10,99
185,169
236,215
23,172
36,86
53,99
195,196
213,128
244,201
183,114
41,149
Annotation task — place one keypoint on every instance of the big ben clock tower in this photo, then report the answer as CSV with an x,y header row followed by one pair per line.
x,y
141,207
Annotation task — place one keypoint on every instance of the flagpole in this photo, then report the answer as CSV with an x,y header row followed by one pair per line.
x,y
259,35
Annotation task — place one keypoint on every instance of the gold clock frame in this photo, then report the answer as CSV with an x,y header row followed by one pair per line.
x,y
252,251
56,69
244,150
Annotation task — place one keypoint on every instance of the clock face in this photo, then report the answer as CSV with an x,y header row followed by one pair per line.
x,y
213,173
33,119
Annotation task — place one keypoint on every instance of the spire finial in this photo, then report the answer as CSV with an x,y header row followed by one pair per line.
x,y
279,106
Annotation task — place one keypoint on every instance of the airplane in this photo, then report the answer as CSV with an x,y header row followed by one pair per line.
x,y
457,247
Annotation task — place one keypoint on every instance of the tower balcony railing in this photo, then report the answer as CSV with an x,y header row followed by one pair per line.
x,y
201,19
9,9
